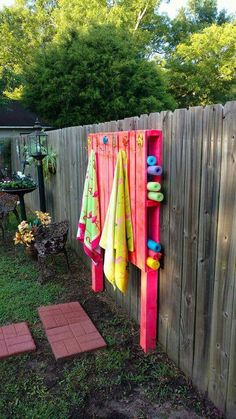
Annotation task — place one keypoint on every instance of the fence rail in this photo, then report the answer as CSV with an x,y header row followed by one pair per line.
x,y
197,302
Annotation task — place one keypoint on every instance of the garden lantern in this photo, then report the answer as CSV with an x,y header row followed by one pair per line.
x,y
37,142
38,149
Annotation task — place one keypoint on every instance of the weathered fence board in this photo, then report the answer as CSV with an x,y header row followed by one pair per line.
x,y
191,199
197,294
208,220
225,265
176,204
231,388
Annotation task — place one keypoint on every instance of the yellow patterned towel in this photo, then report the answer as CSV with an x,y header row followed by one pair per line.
x,y
117,234
89,229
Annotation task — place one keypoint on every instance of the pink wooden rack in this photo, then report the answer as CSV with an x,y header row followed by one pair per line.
x,y
145,213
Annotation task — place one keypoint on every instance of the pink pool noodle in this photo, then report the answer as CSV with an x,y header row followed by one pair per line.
x,y
154,255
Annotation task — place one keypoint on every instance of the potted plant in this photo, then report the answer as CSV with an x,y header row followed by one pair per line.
x,y
27,231
49,161
18,182
49,164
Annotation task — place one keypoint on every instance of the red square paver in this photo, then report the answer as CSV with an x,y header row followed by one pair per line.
x,y
15,339
69,330
61,314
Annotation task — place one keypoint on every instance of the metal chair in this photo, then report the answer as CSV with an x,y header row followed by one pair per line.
x,y
51,240
8,204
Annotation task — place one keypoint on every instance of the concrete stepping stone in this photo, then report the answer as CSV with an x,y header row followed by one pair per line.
x,y
15,339
69,330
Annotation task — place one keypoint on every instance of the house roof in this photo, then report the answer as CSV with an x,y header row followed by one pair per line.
x,y
14,115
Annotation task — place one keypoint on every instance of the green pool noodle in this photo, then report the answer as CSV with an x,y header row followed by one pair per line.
x,y
156,196
153,186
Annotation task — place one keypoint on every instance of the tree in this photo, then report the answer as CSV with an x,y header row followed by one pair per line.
x,y
30,26
197,15
3,99
25,28
80,14
136,17
33,30
202,70
95,76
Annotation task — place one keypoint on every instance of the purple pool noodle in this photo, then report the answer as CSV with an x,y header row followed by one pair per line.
x,y
151,160
154,170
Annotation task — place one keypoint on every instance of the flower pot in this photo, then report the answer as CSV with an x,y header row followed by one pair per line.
x,y
52,169
31,252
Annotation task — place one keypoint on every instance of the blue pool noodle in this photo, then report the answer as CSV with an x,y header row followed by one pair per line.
x,y
151,244
151,160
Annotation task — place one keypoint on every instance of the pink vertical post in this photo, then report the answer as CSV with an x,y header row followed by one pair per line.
x,y
97,277
149,279
148,320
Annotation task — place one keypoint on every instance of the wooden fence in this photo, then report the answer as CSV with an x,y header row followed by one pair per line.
x,y
197,304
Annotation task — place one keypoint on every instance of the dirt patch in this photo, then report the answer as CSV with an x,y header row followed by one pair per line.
x,y
138,402
137,406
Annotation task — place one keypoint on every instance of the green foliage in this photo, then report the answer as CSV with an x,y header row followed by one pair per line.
x,y
197,15
49,164
65,55
3,99
132,15
202,70
28,27
101,75
24,30
18,183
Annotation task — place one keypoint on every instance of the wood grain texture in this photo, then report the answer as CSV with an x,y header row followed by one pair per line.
x,y
141,193
191,201
165,297
208,220
231,385
176,203
163,121
222,317
148,315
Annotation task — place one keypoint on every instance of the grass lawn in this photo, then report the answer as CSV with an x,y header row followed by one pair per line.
x,y
118,382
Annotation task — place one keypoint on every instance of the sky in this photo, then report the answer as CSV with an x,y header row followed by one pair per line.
x,y
6,3
171,8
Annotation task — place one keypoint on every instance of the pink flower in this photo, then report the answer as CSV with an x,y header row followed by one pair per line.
x,y
119,221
